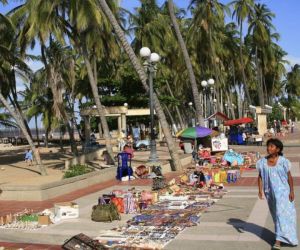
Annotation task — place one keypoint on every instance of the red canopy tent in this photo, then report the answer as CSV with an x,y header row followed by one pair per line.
x,y
243,120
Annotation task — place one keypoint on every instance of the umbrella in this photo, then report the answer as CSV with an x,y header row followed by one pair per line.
x,y
194,132
238,121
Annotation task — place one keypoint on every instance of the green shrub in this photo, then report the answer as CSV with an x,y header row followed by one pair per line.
x,y
28,217
76,170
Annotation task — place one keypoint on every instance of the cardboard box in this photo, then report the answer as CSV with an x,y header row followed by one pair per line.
x,y
66,210
44,220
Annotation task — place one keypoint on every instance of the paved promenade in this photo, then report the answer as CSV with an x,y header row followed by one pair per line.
x,y
239,221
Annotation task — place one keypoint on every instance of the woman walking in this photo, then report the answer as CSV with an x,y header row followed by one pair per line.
x,y
276,181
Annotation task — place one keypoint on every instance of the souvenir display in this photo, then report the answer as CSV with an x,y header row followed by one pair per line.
x,y
162,215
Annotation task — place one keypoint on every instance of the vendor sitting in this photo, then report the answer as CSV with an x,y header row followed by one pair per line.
x,y
128,149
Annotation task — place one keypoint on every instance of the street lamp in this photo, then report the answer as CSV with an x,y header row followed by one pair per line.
x,y
149,64
208,85
227,109
194,113
215,104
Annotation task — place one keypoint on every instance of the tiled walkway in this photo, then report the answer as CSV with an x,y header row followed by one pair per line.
x,y
15,246
7,207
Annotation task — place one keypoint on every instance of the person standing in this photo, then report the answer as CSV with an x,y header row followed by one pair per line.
x,y
292,127
276,181
29,157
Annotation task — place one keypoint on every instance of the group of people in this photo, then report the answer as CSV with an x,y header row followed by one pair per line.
x,y
240,135
279,128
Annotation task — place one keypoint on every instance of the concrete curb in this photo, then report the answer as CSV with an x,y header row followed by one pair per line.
x,y
58,188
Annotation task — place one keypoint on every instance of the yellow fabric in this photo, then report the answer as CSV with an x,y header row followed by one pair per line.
x,y
184,178
217,177
223,176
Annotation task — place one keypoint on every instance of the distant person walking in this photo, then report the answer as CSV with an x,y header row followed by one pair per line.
x,y
276,181
292,127
28,157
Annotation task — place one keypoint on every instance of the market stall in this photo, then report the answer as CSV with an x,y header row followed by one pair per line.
x,y
242,135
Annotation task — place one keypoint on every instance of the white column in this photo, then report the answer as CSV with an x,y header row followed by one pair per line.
x,y
123,122
119,124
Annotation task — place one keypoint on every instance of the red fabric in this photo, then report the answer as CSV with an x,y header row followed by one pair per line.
x,y
119,202
238,121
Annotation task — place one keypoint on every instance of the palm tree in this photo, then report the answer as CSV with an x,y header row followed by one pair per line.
x,y
5,120
92,36
10,63
21,124
188,63
242,10
142,75
260,26
207,21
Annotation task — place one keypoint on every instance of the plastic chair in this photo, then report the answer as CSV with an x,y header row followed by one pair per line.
x,y
124,165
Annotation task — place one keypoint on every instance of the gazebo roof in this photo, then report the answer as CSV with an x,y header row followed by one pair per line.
x,y
219,116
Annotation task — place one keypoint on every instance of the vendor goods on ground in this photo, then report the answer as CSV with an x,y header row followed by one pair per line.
x,y
160,215
66,210
82,242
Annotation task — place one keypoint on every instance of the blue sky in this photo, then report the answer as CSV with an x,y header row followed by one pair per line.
x,y
287,20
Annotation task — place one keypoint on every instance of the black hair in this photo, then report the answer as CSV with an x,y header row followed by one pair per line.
x,y
276,142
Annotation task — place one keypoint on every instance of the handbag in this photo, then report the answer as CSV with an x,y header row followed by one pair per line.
x,y
82,242
105,213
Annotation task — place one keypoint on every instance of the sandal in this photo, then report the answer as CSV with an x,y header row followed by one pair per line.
x,y
276,247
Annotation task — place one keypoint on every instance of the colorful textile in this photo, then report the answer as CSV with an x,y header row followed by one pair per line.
x,y
276,189
232,156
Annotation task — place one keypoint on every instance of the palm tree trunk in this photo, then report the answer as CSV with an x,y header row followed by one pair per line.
x,y
47,137
100,130
142,75
70,129
229,96
176,107
168,111
60,138
188,63
259,80
21,124
243,67
18,110
37,130
100,109
170,115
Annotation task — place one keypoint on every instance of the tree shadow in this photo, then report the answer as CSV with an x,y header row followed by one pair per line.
x,y
25,168
261,232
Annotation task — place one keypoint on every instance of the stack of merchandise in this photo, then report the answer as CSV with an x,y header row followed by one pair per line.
x,y
160,215
226,167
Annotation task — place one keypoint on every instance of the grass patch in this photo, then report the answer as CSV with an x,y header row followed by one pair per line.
x,y
28,217
77,170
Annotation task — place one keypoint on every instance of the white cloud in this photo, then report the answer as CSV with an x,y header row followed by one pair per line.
x,y
20,87
292,60
34,65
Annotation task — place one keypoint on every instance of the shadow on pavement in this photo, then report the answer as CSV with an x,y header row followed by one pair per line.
x,y
261,232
